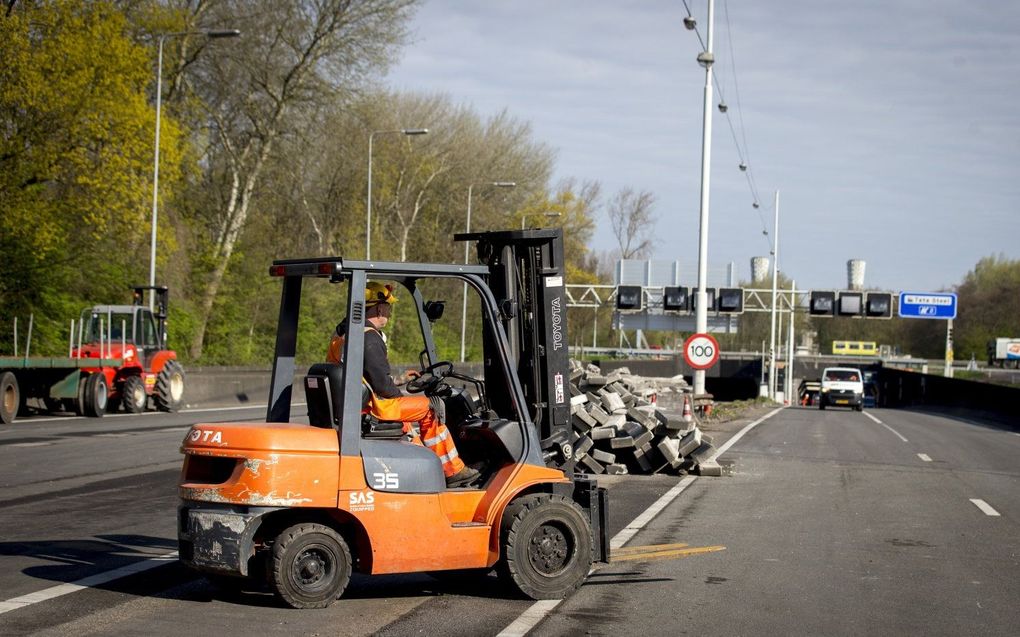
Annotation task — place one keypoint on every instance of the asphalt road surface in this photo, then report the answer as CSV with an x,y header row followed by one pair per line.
x,y
825,523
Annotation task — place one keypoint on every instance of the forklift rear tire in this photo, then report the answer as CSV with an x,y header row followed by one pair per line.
x,y
132,395
95,395
547,546
10,397
169,387
311,566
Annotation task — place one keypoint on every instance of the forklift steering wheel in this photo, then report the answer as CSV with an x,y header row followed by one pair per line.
x,y
430,379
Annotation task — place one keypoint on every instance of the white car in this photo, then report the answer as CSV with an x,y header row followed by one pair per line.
x,y
842,386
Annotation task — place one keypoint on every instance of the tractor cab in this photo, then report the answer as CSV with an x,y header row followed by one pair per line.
x,y
126,331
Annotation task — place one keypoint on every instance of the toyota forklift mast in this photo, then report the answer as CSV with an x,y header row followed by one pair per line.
x,y
527,273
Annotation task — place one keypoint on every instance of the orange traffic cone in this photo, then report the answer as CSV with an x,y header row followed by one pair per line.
x,y
687,415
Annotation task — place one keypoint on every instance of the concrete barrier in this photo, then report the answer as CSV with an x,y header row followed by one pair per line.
x,y
997,403
235,386
225,386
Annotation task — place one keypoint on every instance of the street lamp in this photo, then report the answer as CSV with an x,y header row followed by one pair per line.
x,y
212,35
368,215
548,215
705,59
467,228
775,281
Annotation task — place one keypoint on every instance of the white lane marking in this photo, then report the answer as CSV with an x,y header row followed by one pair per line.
x,y
87,582
184,411
740,434
640,521
985,507
32,444
539,610
535,613
924,456
154,413
898,434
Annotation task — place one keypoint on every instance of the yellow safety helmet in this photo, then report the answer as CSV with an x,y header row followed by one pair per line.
x,y
376,293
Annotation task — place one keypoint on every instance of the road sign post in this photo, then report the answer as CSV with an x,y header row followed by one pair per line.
x,y
701,351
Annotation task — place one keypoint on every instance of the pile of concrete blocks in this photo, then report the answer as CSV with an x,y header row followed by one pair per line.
x,y
618,428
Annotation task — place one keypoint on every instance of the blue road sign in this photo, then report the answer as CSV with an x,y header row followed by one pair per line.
x,y
928,305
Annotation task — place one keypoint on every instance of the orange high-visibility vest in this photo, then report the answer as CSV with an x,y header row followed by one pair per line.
x,y
381,408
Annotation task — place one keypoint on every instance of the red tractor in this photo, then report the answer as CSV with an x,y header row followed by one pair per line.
x,y
130,343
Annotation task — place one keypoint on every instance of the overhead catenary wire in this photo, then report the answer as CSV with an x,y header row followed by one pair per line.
x,y
743,152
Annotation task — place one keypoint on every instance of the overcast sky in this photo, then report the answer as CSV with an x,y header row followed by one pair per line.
x,y
891,128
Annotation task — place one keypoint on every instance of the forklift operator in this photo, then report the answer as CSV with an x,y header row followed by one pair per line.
x,y
387,401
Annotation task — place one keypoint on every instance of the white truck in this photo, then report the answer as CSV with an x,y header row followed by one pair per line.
x,y
1004,352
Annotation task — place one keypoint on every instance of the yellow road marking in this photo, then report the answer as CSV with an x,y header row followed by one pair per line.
x,y
650,547
665,555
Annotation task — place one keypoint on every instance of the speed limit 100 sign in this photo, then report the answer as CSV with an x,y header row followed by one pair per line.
x,y
701,351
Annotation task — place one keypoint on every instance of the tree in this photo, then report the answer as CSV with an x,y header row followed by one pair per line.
x,y
988,304
633,223
75,159
293,58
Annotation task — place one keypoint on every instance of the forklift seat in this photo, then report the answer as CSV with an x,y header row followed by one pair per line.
x,y
324,396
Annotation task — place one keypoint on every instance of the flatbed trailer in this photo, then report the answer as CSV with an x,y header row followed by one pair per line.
x,y
70,383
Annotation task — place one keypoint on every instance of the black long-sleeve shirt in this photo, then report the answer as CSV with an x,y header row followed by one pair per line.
x,y
377,366
376,363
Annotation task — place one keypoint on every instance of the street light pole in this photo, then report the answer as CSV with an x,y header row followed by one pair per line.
x,y
467,229
706,59
775,280
368,214
229,33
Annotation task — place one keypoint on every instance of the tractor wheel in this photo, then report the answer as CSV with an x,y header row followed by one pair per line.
x,y
547,546
95,395
10,398
311,566
132,395
169,387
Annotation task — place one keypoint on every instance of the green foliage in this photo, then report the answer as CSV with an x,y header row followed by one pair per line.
x,y
75,161
988,306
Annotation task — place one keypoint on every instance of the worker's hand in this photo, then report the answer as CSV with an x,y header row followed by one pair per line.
x,y
407,376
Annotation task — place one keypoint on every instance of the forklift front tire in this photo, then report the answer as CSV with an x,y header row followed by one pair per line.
x,y
311,566
547,546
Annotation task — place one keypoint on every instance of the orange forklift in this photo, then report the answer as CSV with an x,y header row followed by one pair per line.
x,y
301,506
